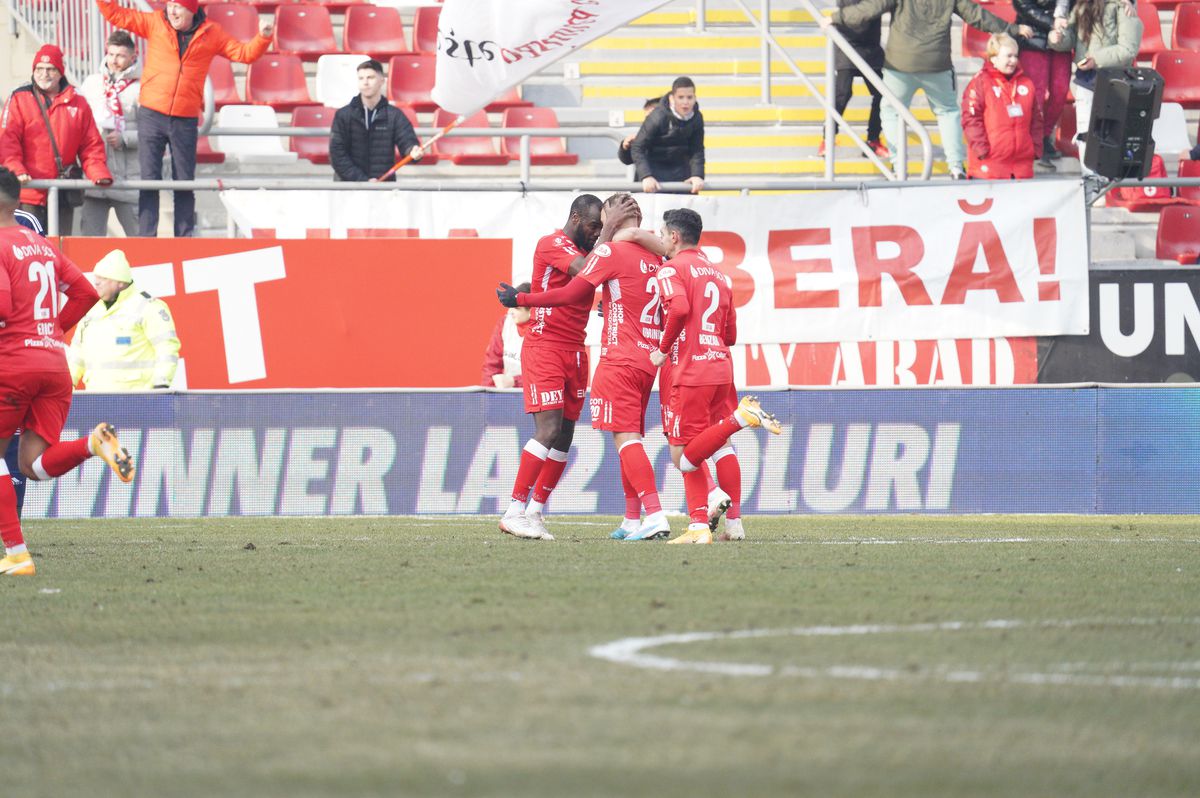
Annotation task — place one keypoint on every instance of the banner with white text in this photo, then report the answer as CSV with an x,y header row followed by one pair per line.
x,y
926,263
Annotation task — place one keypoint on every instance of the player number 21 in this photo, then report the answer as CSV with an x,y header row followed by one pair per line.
x,y
651,314
43,274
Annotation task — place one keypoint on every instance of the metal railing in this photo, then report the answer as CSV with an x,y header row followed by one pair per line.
x,y
76,26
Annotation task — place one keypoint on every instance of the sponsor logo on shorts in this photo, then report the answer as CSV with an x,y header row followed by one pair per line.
x,y
551,397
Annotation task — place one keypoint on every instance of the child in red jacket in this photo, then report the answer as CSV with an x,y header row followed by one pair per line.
x,y
1002,123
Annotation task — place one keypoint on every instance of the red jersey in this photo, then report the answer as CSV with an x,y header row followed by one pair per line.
x,y
699,301
632,315
33,277
562,327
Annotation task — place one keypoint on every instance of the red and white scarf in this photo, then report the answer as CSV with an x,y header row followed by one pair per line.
x,y
113,86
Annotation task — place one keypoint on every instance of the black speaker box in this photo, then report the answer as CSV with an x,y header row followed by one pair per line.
x,y
1126,103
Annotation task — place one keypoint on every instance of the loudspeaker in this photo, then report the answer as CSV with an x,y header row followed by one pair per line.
x,y
1124,108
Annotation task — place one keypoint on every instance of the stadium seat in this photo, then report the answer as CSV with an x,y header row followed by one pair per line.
x,y
1181,74
543,150
206,154
314,149
410,79
1189,194
425,29
1152,36
974,41
1144,199
1170,132
337,78
467,150
225,92
305,30
377,30
251,148
238,19
509,99
1065,139
1167,4
1179,234
1185,30
278,81
337,5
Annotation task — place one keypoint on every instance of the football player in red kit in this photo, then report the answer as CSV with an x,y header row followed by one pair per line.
x,y
35,383
554,365
624,378
704,409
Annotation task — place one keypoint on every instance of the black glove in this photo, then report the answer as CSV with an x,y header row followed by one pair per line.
x,y
161,387
507,295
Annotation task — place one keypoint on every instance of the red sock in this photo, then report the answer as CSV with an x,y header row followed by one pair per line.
x,y
533,456
705,445
62,457
633,505
708,477
729,475
695,489
636,466
10,524
549,475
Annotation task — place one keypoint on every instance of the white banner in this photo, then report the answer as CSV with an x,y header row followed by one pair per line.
x,y
977,260
486,47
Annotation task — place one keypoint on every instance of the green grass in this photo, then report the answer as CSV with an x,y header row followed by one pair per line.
x,y
437,657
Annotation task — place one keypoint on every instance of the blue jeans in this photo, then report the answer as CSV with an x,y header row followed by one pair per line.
x,y
943,99
155,132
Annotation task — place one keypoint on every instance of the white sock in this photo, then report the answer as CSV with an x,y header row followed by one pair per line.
x,y
40,470
515,508
631,524
685,465
15,549
534,506
654,519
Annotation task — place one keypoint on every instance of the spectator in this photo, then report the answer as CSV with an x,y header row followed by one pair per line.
x,y
1050,70
669,148
1001,116
918,57
502,358
112,94
865,41
47,129
181,43
624,151
368,130
127,341
1103,34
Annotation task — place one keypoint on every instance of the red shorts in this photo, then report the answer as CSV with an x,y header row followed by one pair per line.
x,y
619,398
695,408
35,400
553,379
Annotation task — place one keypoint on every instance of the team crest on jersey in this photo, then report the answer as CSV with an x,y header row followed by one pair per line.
x,y
603,251
1022,90
666,272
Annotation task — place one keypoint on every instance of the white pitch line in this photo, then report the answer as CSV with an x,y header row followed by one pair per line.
x,y
633,651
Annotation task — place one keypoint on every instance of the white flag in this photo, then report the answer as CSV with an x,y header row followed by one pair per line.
x,y
488,46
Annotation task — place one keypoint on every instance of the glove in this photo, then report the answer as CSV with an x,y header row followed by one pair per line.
x,y
507,295
161,387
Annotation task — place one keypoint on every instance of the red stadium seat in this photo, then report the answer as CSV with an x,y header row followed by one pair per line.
x,y
278,81
1181,73
375,30
1167,4
543,150
339,5
238,19
225,92
1152,37
206,154
974,41
467,150
1190,194
509,99
410,79
1179,234
304,30
1144,199
1065,140
1185,30
314,149
425,29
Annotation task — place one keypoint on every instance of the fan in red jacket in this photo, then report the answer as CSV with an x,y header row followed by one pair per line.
x,y
25,147
1002,122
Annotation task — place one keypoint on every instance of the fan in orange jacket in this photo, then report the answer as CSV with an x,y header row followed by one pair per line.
x,y
24,146
1001,120
171,84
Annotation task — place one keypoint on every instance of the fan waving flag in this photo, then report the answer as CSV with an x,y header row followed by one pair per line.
x,y
488,46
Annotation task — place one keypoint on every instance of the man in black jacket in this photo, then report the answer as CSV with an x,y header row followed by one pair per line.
x,y
670,146
367,132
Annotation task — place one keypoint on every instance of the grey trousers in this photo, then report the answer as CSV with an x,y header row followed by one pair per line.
x,y
93,220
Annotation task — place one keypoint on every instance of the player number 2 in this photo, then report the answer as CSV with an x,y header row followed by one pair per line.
x,y
711,291
43,274
651,314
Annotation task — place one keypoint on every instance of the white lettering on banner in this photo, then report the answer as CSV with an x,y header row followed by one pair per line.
x,y
432,496
156,279
238,461
817,494
304,467
1180,313
492,471
773,496
184,475
365,456
118,499
1142,334
572,495
233,277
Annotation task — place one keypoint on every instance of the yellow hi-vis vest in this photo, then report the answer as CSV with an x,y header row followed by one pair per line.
x,y
129,346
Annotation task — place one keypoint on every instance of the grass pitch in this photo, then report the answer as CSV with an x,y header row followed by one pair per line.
x,y
401,656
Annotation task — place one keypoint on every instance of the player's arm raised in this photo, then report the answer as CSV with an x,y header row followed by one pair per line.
x,y
643,238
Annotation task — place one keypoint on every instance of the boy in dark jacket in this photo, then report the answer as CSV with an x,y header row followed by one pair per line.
x,y
670,146
866,40
367,132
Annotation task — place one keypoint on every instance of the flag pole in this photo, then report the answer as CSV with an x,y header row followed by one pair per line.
x,y
424,147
